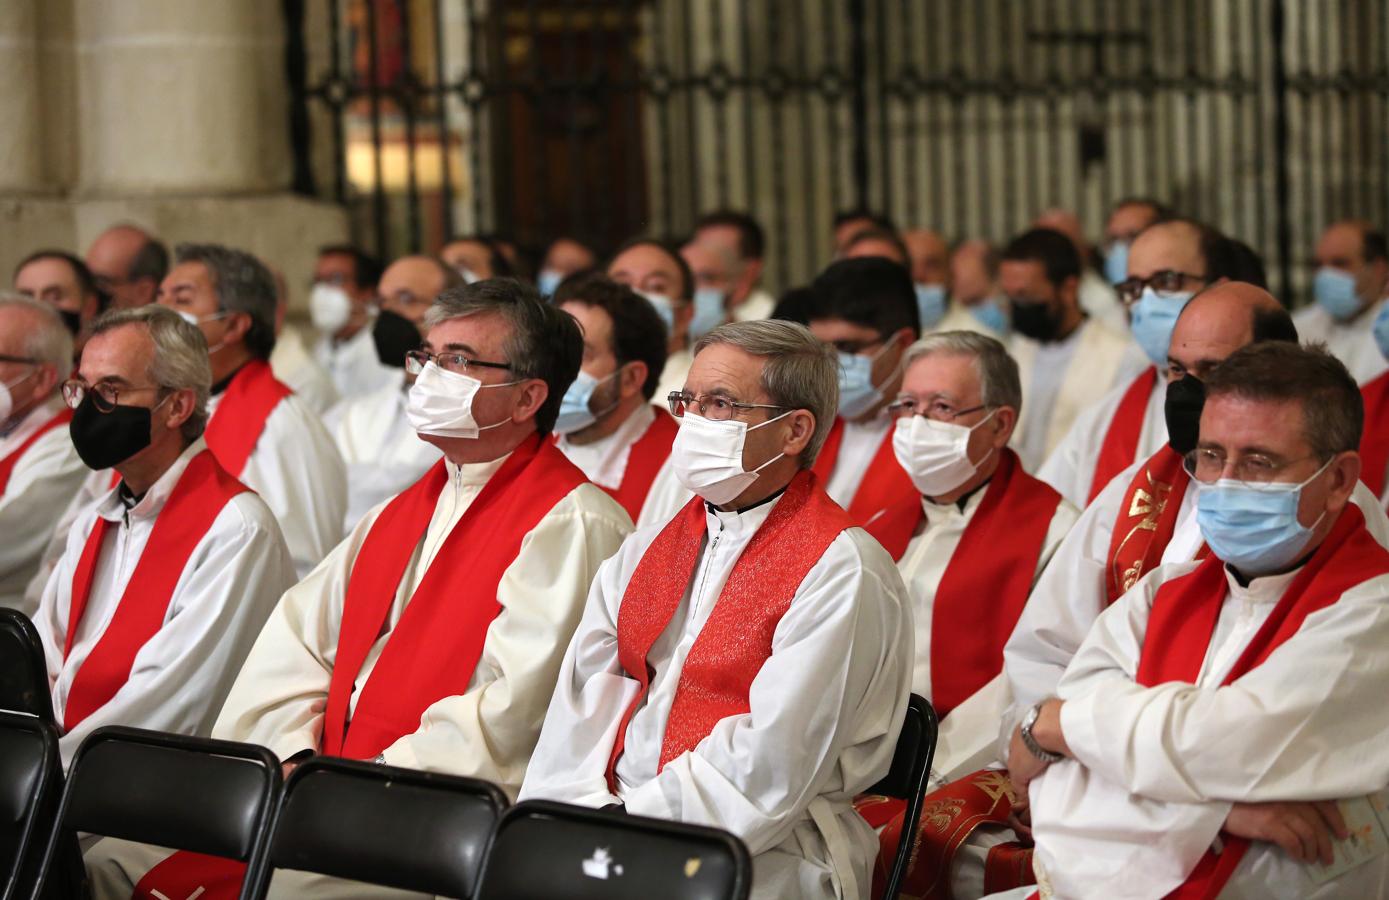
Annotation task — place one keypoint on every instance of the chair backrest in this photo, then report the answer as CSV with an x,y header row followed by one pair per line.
x,y
907,779
553,851
391,827
184,793
31,783
23,675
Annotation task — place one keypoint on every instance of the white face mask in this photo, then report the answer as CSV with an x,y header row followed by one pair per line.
x,y
441,403
935,455
195,321
7,398
329,307
707,457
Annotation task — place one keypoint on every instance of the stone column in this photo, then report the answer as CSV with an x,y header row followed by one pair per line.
x,y
21,160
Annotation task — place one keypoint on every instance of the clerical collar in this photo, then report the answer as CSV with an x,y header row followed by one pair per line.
x,y
714,510
962,502
129,499
1244,580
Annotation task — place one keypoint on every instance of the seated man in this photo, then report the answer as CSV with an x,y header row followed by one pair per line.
x,y
259,430
343,309
660,274
1349,288
167,578
383,453
432,636
39,469
740,232
970,542
128,263
565,256
64,282
1201,737
1374,443
607,425
746,665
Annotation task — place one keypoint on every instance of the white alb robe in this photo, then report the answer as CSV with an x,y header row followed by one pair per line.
x,y
1156,770
353,364
228,587
383,453
300,475
41,484
1101,301
604,461
300,372
783,777
859,444
673,376
1062,379
757,305
966,740
1353,342
1070,468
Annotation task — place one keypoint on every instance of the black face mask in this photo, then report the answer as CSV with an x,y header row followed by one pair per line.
x,y
1186,397
395,336
107,439
71,321
1035,320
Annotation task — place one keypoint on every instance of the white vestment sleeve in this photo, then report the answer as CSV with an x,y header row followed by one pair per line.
x,y
42,483
846,641
490,730
179,677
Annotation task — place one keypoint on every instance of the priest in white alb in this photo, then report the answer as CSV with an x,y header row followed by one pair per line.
x,y
1221,730
1349,292
747,664
259,431
168,576
607,424
39,469
970,542
431,638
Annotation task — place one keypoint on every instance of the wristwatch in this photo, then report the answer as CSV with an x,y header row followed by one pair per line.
x,y
1030,742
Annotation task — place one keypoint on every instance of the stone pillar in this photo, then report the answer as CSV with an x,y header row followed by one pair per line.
x,y
181,97
21,160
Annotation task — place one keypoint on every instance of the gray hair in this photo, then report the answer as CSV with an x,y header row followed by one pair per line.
x,y
799,371
51,342
544,342
999,383
180,356
243,284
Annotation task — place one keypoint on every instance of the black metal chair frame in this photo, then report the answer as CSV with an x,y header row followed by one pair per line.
x,y
281,853
40,806
908,779
34,697
705,836
267,792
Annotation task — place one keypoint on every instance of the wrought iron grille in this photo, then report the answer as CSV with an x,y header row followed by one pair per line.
x,y
609,118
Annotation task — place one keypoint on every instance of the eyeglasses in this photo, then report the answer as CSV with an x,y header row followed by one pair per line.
x,y
1168,281
719,409
416,360
104,394
854,348
938,410
1255,470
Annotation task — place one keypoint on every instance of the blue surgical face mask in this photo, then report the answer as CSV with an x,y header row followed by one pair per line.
x,y
857,393
664,306
1381,330
1254,529
1116,262
1152,320
1335,292
708,312
991,314
547,282
930,304
574,412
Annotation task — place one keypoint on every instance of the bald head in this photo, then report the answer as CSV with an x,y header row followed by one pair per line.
x,y
929,254
1220,320
128,264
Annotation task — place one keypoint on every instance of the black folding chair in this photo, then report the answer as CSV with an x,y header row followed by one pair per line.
x,y
553,851
31,784
907,780
385,826
175,791
23,675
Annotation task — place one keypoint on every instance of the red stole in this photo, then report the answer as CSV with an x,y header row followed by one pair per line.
x,y
736,641
1374,440
253,394
644,460
435,646
197,499
1184,615
1146,521
883,484
1120,444
983,590
9,462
